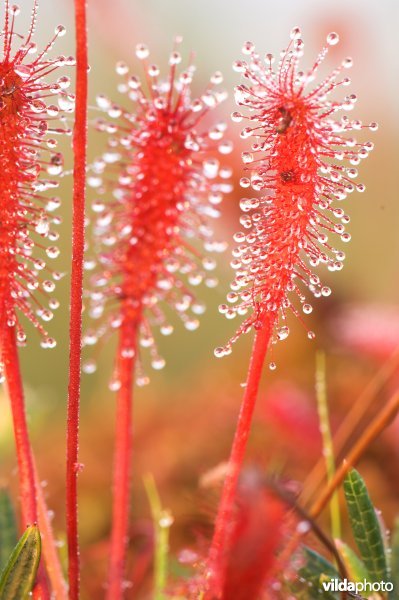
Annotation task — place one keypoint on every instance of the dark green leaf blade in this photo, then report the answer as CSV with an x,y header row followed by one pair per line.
x,y
316,570
395,562
19,575
8,527
365,527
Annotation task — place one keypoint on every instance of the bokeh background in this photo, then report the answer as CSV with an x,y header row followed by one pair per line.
x,y
184,420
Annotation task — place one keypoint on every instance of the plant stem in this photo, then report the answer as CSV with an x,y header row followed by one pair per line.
x,y
328,447
226,505
353,419
372,431
33,505
22,443
122,468
50,554
75,328
162,520
384,418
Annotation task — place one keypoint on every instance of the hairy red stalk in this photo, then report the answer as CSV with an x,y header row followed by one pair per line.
x,y
27,150
22,443
122,471
33,504
295,164
50,554
75,329
164,182
254,540
224,520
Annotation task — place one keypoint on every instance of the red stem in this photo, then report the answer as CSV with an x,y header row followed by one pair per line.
x,y
122,469
22,443
75,328
49,550
26,468
226,506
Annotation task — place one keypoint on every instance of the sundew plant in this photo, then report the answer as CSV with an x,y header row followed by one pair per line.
x,y
174,177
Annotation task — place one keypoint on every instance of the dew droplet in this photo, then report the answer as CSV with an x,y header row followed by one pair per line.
x,y
295,33
326,291
60,31
332,39
42,227
347,63
52,252
166,329
142,51
283,333
89,366
121,68
248,48
142,380
166,520
114,385
158,363
303,527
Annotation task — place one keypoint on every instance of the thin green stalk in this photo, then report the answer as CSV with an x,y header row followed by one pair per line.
x,y
328,447
162,521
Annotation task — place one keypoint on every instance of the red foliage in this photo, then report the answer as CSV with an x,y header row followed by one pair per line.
x,y
164,187
27,151
292,419
164,182
370,329
293,164
255,536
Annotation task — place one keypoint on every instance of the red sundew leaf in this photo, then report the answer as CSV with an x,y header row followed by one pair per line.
x,y
255,536
158,186
370,329
290,414
301,162
28,156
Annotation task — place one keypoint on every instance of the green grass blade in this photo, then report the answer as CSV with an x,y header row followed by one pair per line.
x,y
328,447
354,566
8,528
162,520
365,527
18,577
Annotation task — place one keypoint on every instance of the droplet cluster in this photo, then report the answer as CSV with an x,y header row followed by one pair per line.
x,y
30,164
157,186
302,162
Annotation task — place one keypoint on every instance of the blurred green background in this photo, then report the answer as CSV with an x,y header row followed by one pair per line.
x,y
185,418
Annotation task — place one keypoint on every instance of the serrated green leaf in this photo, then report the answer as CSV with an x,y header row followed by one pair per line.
x,y
18,577
355,568
394,565
365,526
316,570
8,527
